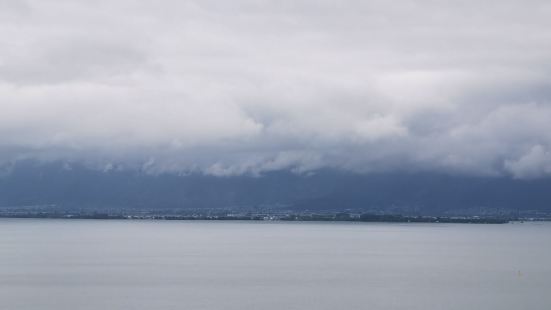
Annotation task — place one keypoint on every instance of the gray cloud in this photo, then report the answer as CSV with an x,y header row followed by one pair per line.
x,y
253,86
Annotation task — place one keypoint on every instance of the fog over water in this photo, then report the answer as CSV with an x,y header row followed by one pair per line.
x,y
132,265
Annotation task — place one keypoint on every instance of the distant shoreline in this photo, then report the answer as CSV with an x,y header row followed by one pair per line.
x,y
363,218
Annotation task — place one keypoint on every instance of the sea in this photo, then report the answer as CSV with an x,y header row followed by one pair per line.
x,y
49,264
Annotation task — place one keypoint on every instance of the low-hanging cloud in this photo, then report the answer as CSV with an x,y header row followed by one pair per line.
x,y
245,87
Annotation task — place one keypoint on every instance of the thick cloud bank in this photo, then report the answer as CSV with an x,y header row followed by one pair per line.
x,y
232,87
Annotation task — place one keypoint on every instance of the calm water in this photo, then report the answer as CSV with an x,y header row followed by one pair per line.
x,y
92,264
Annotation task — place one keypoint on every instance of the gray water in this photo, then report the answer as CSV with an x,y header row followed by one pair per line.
x,y
132,265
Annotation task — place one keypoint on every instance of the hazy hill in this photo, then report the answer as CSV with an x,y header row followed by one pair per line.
x,y
32,184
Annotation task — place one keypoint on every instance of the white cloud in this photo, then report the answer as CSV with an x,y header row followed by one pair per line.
x,y
535,163
246,87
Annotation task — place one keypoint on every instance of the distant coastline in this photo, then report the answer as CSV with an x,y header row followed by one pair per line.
x,y
286,217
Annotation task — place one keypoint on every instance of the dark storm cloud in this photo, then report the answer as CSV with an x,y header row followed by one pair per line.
x,y
253,86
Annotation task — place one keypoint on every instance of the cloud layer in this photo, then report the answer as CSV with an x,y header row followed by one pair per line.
x,y
251,86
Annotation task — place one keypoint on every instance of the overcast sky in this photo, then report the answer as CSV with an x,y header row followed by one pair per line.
x,y
233,87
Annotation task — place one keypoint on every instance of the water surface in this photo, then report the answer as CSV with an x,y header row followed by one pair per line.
x,y
134,265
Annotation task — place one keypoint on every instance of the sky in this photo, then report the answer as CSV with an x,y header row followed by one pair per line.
x,y
247,87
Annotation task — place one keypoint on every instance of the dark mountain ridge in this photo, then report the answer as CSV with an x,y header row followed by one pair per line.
x,y
31,184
